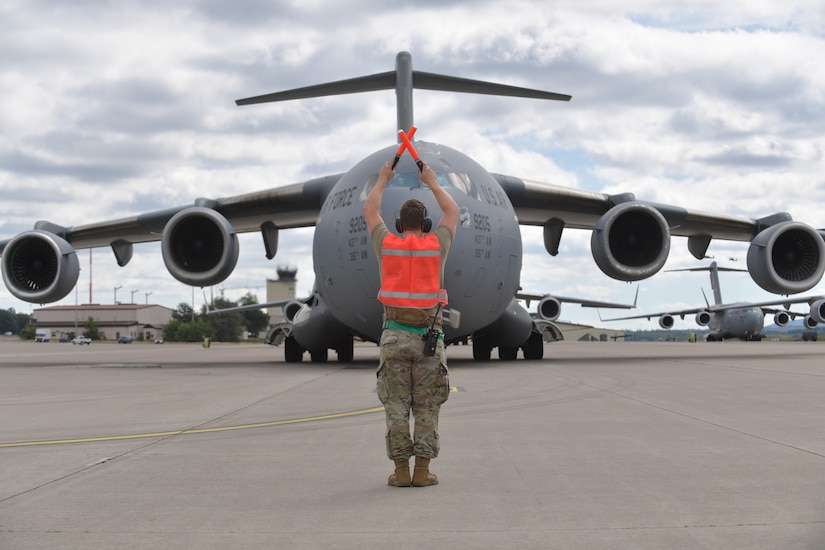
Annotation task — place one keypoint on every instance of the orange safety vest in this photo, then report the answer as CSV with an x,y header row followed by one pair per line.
x,y
410,272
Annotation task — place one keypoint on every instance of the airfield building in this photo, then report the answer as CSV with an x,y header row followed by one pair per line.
x,y
141,322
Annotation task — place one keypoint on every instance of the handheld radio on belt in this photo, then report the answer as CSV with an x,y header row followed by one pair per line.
x,y
431,336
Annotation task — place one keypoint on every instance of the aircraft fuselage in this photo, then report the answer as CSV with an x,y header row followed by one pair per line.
x,y
482,269
745,323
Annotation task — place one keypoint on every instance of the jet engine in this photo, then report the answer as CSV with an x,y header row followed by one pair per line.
x,y
666,321
787,258
810,322
781,318
39,267
818,311
291,309
549,308
199,246
702,318
630,241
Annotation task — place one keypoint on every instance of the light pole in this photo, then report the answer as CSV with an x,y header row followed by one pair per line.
x,y
147,294
116,288
132,299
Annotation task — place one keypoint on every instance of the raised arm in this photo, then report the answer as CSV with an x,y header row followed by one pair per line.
x,y
445,202
373,202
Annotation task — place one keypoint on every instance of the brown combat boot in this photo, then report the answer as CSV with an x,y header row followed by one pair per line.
x,y
422,476
401,477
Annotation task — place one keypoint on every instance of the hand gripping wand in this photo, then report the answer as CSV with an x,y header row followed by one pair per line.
x,y
407,144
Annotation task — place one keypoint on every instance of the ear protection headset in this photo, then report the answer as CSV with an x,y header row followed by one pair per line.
x,y
426,223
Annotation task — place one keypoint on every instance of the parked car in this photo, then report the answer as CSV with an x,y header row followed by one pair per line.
x,y
81,340
125,340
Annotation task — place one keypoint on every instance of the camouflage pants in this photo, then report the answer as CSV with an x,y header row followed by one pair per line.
x,y
409,381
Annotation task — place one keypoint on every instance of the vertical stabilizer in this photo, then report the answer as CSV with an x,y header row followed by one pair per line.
x,y
404,91
714,284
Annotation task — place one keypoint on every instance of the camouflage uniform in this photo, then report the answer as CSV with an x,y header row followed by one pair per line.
x,y
410,381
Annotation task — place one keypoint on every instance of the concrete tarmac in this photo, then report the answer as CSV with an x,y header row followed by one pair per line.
x,y
598,446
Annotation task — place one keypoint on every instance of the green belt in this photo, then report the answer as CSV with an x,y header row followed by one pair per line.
x,y
408,328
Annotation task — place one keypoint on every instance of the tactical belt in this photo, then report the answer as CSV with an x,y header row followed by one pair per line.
x,y
413,317
417,330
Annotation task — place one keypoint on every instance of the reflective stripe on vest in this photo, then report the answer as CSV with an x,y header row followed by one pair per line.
x,y
410,272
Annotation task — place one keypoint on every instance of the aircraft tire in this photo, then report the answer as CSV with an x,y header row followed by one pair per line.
x,y
292,350
319,356
481,352
507,353
534,348
346,351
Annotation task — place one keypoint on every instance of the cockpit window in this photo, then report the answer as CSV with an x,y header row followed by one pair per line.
x,y
409,180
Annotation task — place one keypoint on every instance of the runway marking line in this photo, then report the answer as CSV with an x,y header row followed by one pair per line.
x,y
194,430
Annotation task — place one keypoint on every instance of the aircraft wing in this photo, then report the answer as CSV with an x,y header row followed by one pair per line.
x,y
290,206
674,312
250,307
538,203
584,302
765,306
630,238
784,302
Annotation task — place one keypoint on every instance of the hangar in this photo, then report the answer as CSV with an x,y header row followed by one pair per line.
x,y
141,322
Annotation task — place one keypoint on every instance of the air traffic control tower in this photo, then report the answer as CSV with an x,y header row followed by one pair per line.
x,y
281,289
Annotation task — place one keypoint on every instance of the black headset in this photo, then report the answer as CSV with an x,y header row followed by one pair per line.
x,y
426,223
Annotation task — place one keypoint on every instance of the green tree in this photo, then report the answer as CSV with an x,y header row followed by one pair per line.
x,y
23,319
91,329
28,332
226,326
180,331
183,312
8,321
255,320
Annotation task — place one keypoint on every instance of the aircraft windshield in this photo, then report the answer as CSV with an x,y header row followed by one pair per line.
x,y
460,181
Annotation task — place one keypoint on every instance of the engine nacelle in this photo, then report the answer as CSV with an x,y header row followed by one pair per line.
x,y
511,330
818,311
291,309
39,267
549,308
316,328
787,258
781,318
702,318
630,241
666,321
809,322
199,246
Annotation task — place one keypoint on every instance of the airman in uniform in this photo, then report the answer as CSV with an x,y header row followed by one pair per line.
x,y
412,273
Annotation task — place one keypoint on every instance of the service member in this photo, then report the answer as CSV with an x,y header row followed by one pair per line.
x,y
412,275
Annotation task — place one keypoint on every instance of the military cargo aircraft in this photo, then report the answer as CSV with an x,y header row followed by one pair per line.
x,y
743,320
630,238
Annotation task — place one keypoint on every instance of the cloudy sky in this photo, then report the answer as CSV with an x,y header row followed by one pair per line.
x,y
112,108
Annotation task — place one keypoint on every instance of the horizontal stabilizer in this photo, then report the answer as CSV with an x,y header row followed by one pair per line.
x,y
432,81
386,81
371,83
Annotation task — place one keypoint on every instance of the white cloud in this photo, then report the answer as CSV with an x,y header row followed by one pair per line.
x,y
114,108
